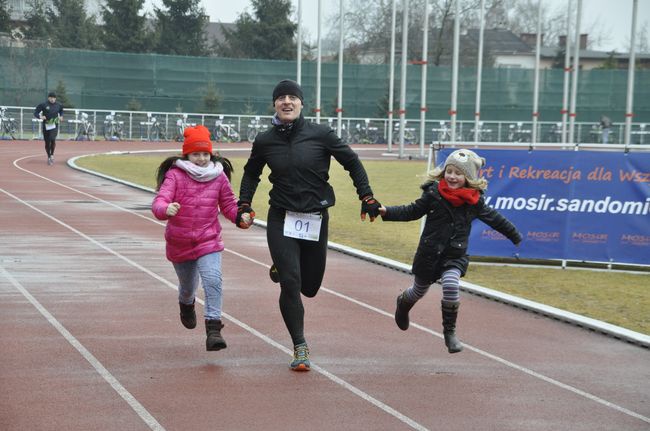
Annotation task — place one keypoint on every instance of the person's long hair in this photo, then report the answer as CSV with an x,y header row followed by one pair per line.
x,y
170,161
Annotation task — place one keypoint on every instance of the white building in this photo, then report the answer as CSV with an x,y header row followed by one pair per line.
x,y
18,8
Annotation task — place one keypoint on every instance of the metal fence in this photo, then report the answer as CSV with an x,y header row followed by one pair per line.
x,y
82,124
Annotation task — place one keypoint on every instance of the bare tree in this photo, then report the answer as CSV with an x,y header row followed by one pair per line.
x,y
642,39
368,24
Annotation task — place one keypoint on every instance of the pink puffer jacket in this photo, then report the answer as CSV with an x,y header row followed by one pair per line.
x,y
195,231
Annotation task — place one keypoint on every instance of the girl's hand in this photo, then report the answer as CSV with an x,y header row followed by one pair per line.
x,y
245,216
172,209
382,210
246,219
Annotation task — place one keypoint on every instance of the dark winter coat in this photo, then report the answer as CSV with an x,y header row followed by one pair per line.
x,y
52,111
299,158
444,240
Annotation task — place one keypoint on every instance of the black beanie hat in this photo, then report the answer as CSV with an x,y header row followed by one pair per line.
x,y
51,94
287,87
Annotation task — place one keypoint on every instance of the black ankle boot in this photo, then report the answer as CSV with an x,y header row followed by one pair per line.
x,y
402,311
449,315
214,340
188,316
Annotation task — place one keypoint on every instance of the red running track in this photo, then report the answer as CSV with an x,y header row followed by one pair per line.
x,y
90,337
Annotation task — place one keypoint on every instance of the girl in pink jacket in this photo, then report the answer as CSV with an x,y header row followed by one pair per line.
x,y
192,190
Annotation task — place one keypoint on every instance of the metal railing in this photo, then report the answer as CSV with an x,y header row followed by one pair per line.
x,y
163,126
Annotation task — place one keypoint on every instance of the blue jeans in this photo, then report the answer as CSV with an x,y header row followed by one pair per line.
x,y
208,269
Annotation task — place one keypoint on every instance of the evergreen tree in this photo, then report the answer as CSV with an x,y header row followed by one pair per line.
x,y
558,60
134,105
62,95
270,33
5,17
211,99
37,26
610,62
124,28
71,26
180,28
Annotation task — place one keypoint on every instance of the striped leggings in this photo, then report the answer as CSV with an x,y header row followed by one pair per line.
x,y
450,281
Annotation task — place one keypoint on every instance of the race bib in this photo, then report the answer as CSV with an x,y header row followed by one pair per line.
x,y
49,126
302,225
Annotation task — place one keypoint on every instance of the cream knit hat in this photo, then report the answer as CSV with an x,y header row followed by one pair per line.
x,y
467,161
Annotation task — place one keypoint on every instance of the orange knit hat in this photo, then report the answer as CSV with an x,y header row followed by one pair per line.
x,y
197,139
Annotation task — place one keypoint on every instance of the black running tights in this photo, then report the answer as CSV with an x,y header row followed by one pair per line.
x,y
50,141
300,264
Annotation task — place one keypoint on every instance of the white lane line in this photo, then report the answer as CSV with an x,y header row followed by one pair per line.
x,y
79,191
365,396
103,372
339,381
503,361
415,325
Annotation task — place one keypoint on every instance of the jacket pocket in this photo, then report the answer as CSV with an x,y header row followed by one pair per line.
x,y
456,247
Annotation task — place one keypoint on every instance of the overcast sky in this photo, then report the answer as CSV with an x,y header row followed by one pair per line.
x,y
612,17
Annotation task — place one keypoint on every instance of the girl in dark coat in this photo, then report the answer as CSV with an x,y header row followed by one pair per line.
x,y
451,199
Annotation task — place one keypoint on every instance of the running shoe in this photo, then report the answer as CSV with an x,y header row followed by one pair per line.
x,y
274,274
50,160
300,358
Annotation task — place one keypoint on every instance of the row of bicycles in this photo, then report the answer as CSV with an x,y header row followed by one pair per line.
x,y
223,131
112,129
367,132
515,132
152,129
521,132
164,127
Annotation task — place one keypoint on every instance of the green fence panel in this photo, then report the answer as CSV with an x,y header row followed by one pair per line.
x,y
162,83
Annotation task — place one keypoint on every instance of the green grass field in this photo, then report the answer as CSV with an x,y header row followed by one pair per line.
x,y
615,297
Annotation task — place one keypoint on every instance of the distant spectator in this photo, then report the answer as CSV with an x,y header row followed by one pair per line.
x,y
605,126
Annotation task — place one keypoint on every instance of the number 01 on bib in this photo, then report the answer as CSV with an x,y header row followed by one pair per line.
x,y
302,225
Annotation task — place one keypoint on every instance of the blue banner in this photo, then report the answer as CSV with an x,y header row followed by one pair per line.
x,y
575,205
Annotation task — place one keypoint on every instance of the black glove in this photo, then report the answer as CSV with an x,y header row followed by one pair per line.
x,y
244,208
370,206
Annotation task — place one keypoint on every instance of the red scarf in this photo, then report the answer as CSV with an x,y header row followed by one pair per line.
x,y
460,196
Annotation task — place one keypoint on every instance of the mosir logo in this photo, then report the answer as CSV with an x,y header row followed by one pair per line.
x,y
642,240
542,236
492,234
591,238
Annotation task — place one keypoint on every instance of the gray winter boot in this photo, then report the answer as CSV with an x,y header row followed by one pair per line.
x,y
214,340
402,311
449,314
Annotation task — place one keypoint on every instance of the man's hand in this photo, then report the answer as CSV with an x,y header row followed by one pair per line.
x,y
245,215
370,206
